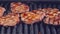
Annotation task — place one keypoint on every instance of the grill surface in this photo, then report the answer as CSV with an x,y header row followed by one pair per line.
x,y
33,28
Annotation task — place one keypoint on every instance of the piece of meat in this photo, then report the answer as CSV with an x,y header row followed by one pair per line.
x,y
56,20
39,12
11,20
18,7
2,10
52,16
51,12
30,17
2,20
51,21
59,21
59,17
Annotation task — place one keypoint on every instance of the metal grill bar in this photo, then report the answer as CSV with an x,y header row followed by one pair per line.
x,y
41,28
31,7
36,29
8,30
31,29
53,30
58,30
2,30
26,29
48,30
14,30
20,29
58,6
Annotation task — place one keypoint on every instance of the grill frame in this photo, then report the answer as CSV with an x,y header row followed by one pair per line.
x,y
23,28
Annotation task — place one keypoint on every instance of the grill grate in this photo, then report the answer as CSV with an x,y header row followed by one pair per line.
x,y
33,28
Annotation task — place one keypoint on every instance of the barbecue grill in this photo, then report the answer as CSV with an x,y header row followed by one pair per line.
x,y
35,28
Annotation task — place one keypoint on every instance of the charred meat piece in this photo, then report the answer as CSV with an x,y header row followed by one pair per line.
x,y
2,20
52,17
30,17
10,20
18,7
59,16
40,13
